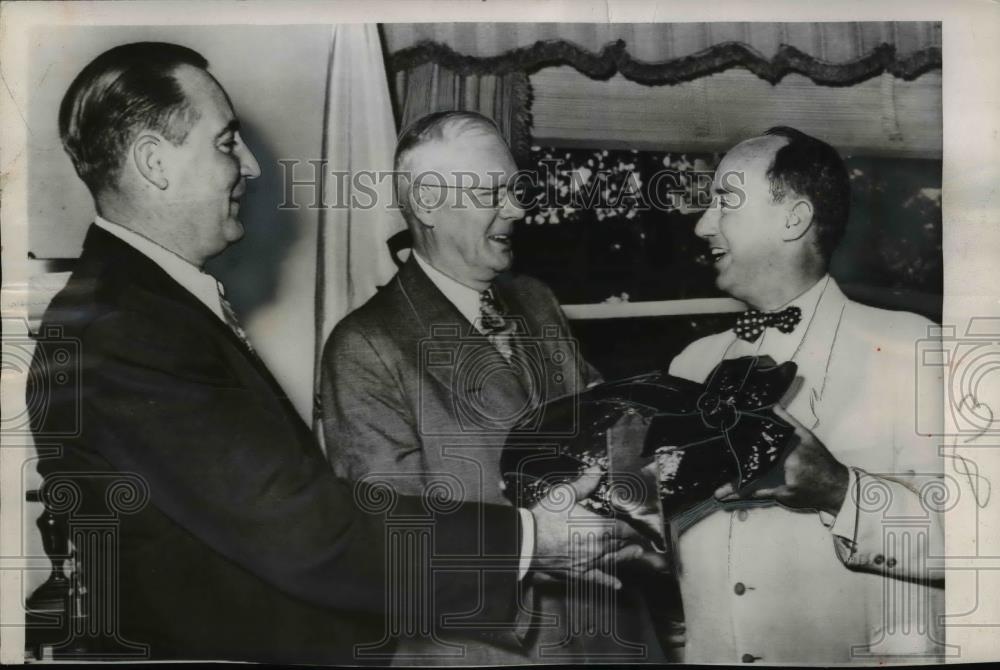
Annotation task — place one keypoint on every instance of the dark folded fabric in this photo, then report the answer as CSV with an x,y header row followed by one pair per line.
x,y
664,443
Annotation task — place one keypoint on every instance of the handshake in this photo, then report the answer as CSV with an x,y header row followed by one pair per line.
x,y
573,542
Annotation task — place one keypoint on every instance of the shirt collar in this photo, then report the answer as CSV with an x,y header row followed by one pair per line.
x,y
808,301
465,299
784,346
201,285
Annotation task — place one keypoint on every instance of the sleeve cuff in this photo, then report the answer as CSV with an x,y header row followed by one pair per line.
x,y
845,523
527,542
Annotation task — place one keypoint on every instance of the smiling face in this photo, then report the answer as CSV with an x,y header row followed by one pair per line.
x,y
206,174
744,226
467,219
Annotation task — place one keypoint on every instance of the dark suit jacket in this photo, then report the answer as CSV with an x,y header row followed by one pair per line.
x,y
250,547
414,395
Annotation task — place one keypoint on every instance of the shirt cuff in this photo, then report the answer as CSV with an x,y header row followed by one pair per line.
x,y
845,523
527,542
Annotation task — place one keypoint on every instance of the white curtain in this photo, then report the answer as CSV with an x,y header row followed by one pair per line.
x,y
359,139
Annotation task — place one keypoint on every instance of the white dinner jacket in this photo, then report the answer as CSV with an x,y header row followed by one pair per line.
x,y
773,585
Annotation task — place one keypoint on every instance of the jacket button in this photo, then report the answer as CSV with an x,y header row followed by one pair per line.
x,y
742,515
879,559
749,658
739,588
891,563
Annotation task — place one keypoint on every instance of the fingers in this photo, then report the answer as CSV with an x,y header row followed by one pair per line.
x,y
651,560
632,530
783,414
542,577
602,570
676,634
640,526
630,552
724,491
587,482
774,492
601,578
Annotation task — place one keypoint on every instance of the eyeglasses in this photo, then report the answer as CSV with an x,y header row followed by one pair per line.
x,y
487,197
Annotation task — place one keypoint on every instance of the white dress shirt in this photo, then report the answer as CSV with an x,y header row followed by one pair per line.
x,y
198,283
464,298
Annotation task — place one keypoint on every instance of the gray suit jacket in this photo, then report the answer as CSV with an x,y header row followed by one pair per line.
x,y
412,391
413,395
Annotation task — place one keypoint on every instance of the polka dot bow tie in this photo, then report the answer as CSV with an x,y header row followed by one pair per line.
x,y
751,323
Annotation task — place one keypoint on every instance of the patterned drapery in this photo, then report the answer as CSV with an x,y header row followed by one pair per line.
x,y
430,87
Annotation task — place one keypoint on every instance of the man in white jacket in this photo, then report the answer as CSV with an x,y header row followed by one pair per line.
x,y
834,563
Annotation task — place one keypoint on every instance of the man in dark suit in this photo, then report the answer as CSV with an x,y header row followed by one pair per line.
x,y
249,548
421,385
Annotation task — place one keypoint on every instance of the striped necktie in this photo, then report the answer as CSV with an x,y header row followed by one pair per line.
x,y
232,321
498,330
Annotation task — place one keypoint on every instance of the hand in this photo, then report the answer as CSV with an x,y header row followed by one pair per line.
x,y
814,479
571,541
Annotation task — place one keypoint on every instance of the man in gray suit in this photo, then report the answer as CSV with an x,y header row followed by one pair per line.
x,y
422,383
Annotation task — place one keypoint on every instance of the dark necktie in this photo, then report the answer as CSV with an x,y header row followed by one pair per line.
x,y
233,322
751,323
498,330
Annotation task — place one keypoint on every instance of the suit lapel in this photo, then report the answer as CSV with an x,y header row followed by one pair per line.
x,y
815,354
544,335
451,350
130,270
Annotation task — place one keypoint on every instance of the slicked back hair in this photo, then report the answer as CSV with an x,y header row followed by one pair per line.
x,y
813,169
122,92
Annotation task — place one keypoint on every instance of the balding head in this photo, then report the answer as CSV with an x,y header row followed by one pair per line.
x,y
437,145
452,174
780,203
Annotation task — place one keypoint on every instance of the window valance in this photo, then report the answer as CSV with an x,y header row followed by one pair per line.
x,y
831,54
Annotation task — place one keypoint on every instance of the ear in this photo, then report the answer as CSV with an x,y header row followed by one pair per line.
x,y
422,204
148,158
798,220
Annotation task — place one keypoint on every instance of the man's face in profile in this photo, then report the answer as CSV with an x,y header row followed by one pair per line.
x,y
471,212
743,225
207,173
